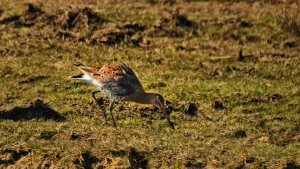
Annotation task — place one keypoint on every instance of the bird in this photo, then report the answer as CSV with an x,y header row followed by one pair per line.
x,y
118,82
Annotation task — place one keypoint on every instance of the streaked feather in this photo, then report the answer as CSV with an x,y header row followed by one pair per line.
x,y
114,80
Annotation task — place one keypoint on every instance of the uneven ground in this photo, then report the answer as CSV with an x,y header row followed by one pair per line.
x,y
229,70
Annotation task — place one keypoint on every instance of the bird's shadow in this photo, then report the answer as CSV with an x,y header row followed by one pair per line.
x,y
36,110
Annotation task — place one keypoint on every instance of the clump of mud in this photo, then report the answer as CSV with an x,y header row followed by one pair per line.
x,y
33,8
175,25
9,156
80,135
87,25
76,24
218,105
191,109
85,16
47,135
28,19
131,157
240,134
113,34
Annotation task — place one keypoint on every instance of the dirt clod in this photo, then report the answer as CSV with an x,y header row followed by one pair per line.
x,y
218,105
115,34
240,134
34,8
250,159
191,109
182,20
175,25
9,156
292,165
274,97
79,135
191,164
47,135
74,136
289,44
83,17
133,26
245,24
10,19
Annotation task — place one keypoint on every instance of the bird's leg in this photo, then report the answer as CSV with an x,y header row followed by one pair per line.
x,y
100,105
110,110
103,114
94,95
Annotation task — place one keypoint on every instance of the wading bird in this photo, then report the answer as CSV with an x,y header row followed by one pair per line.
x,y
119,82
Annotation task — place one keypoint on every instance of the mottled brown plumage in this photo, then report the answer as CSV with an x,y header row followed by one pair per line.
x,y
119,82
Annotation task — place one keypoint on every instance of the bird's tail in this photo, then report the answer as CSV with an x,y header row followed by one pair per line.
x,y
86,69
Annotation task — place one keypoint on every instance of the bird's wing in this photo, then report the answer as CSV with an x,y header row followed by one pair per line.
x,y
119,80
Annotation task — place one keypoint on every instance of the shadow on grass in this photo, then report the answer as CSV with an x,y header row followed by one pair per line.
x,y
137,159
36,110
87,160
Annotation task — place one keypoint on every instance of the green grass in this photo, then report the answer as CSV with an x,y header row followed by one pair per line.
x,y
259,125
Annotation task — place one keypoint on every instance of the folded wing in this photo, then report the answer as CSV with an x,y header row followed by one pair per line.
x,y
118,80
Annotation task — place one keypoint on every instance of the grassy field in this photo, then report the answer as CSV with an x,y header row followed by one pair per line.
x,y
230,71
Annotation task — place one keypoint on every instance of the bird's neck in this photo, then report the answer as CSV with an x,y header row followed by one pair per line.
x,y
144,98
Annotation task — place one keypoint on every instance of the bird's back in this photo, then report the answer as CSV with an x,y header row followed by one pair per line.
x,y
114,80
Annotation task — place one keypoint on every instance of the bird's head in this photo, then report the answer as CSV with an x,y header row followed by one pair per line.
x,y
158,101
